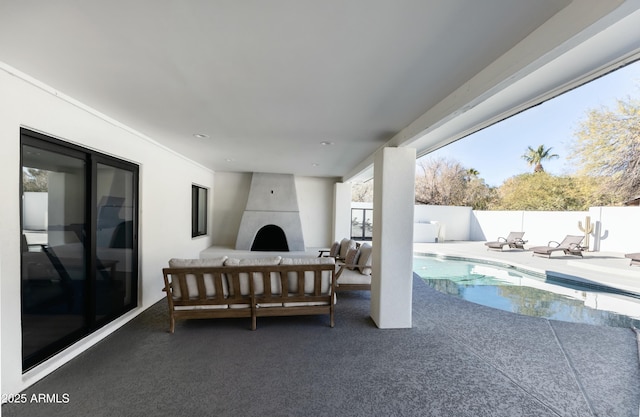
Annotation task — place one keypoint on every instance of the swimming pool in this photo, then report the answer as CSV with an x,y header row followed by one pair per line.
x,y
530,294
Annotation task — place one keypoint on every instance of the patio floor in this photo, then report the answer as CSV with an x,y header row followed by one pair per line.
x,y
458,359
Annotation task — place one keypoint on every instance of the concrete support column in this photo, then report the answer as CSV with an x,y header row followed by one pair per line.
x,y
341,211
393,208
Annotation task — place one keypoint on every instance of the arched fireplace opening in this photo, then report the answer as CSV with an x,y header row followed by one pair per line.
x,y
270,238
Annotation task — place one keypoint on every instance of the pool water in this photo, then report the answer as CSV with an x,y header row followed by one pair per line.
x,y
529,294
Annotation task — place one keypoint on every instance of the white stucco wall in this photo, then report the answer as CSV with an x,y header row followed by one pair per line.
x,y
489,225
165,206
342,211
315,201
454,222
230,195
539,226
618,226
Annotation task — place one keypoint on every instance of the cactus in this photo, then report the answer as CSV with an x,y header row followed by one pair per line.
x,y
587,229
598,236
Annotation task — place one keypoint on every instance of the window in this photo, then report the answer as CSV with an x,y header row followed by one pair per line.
x,y
79,243
361,224
198,211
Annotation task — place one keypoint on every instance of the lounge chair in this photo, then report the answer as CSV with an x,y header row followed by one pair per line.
x,y
635,258
513,239
570,246
339,249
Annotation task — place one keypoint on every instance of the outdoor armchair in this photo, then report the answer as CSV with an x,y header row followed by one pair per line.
x,y
338,250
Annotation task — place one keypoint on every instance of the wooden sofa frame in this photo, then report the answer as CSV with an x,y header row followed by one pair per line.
x,y
232,303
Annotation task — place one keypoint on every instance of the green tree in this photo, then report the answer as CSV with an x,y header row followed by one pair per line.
x,y
543,191
607,145
478,194
534,157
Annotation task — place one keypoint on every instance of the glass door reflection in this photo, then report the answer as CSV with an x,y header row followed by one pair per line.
x,y
115,240
53,278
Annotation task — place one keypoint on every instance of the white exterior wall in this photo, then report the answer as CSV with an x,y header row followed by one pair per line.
x,y
618,226
164,203
315,201
342,211
454,222
539,227
489,225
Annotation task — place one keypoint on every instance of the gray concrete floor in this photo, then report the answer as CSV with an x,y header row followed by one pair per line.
x,y
458,359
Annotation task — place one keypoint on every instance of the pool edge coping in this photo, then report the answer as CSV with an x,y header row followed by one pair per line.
x,y
539,273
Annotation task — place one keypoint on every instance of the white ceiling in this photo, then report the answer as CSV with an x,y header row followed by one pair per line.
x,y
268,82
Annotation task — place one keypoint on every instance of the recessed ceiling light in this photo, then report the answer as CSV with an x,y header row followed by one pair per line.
x,y
326,143
315,164
229,159
200,135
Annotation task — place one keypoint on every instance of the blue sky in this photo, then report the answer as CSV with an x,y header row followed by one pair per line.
x,y
496,152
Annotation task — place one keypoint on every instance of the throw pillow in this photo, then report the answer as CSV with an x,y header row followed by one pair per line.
x,y
352,258
335,249
364,261
345,245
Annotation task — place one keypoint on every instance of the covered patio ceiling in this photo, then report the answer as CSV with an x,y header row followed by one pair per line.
x,y
311,87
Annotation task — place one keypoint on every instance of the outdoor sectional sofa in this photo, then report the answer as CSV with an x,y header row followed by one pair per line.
x,y
355,272
353,263
231,287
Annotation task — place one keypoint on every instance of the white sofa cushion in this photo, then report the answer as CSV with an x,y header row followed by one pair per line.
x,y
258,279
353,277
196,263
308,275
192,285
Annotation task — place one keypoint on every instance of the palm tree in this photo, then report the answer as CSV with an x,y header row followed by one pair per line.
x,y
470,174
534,157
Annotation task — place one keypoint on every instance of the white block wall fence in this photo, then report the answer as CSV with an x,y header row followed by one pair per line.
x,y
614,229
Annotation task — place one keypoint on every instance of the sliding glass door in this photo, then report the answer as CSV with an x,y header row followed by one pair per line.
x,y
54,257
115,266
79,243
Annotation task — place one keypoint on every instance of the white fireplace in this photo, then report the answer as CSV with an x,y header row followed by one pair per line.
x,y
271,220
